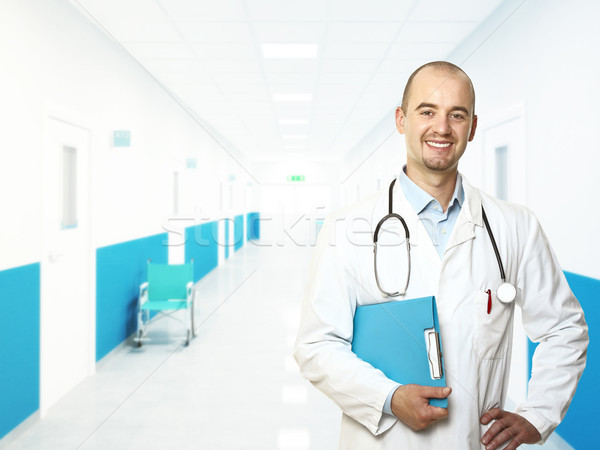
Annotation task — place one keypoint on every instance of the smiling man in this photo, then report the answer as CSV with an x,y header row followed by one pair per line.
x,y
455,231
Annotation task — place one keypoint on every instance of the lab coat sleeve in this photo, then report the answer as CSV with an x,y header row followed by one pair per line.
x,y
323,346
552,317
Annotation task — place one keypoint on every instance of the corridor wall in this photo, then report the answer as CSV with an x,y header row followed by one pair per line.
x,y
57,60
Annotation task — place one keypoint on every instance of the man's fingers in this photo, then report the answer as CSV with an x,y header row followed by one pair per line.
x,y
492,414
508,428
438,413
435,392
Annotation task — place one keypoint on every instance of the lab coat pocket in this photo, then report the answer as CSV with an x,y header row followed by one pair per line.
x,y
493,325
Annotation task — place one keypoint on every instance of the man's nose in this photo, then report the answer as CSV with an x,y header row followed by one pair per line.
x,y
442,125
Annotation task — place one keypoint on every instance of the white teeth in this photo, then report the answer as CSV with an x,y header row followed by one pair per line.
x,y
435,144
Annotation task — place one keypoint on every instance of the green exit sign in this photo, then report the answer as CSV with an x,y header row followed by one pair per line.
x,y
295,177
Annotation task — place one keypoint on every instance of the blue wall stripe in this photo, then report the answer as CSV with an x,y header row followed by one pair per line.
x,y
253,226
578,427
201,245
19,345
227,223
238,235
120,269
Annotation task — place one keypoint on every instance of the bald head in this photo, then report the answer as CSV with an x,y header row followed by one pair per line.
x,y
445,67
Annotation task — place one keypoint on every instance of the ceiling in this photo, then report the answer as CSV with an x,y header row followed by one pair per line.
x,y
343,72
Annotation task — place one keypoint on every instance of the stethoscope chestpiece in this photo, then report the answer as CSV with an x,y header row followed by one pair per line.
x,y
506,292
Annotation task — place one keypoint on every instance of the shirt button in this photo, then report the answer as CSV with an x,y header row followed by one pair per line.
x,y
435,207
443,231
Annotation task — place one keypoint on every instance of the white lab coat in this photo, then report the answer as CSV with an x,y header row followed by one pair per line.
x,y
476,345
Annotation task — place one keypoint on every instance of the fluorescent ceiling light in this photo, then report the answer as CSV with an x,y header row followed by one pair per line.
x,y
295,136
293,121
295,147
290,51
292,97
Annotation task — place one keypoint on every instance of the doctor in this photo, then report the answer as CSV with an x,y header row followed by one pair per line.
x,y
452,258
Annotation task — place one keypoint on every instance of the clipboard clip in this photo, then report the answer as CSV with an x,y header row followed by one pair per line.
x,y
434,353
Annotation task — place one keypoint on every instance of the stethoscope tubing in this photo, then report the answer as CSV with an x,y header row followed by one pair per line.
x,y
391,214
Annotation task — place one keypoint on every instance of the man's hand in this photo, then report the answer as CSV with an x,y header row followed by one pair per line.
x,y
410,404
508,427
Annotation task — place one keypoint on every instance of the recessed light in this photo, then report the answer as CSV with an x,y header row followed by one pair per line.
x,y
292,97
290,51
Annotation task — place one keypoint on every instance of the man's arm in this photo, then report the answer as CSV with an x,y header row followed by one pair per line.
x,y
553,317
323,347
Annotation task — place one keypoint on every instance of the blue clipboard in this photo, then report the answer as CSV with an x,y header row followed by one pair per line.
x,y
401,338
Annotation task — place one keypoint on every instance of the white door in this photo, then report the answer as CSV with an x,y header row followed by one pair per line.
x,y
505,170
505,177
67,326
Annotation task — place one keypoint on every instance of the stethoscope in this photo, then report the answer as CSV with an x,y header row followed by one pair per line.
x,y
505,293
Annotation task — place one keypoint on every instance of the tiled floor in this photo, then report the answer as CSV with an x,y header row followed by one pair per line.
x,y
235,387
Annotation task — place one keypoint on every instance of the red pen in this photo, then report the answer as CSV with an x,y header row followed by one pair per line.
x,y
489,308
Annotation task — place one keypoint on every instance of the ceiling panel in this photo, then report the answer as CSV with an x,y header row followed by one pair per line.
x,y
380,10
355,51
204,31
283,10
289,32
201,9
362,32
425,50
136,30
282,78
291,66
458,10
349,65
218,66
435,31
147,50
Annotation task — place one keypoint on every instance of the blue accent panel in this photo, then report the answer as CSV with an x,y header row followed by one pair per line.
x,y
120,269
578,427
238,234
201,245
253,226
227,238
19,345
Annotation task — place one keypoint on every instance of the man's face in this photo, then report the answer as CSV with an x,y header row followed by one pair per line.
x,y
439,121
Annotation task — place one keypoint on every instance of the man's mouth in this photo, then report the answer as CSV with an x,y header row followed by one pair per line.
x,y
438,144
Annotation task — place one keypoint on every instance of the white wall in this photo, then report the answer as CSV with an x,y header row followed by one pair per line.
x,y
540,55
54,58
374,162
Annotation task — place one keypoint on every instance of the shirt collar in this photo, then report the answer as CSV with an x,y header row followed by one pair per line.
x,y
419,199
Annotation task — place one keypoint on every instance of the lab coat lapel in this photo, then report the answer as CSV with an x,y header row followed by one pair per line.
x,y
469,217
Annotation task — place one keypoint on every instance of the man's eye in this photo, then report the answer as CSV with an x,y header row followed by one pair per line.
x,y
427,113
457,116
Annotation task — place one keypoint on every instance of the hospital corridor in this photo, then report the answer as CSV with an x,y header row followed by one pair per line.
x,y
175,179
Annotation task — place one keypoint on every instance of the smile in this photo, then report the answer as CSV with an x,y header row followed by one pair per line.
x,y
439,144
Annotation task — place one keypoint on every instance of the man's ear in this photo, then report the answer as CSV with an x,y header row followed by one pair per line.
x,y
400,119
473,128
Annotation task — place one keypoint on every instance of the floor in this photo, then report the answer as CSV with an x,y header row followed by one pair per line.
x,y
235,386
